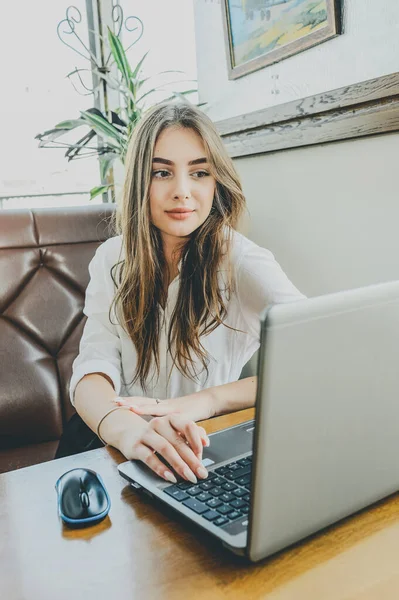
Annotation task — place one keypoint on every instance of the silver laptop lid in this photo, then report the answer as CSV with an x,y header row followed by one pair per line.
x,y
327,417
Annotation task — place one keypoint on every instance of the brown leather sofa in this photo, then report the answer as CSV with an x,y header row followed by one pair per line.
x,y
44,255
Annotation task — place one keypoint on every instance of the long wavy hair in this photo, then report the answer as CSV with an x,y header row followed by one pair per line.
x,y
140,278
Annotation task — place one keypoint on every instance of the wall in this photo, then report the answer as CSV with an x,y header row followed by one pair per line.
x,y
368,48
328,212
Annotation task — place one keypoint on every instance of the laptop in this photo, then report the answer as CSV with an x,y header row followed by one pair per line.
x,y
325,440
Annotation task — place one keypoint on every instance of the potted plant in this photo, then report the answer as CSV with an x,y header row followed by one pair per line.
x,y
108,131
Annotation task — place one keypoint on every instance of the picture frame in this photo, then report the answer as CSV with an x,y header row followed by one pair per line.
x,y
259,33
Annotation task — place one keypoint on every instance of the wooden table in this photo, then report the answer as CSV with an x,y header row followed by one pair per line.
x,y
143,552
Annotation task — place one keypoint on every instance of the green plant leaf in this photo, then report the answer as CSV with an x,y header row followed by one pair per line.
x,y
119,56
173,71
138,66
117,85
116,120
59,129
96,191
162,87
70,124
112,128
141,82
49,136
79,146
102,126
105,165
181,95
185,92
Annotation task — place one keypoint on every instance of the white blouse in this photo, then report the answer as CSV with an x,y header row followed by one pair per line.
x,y
106,348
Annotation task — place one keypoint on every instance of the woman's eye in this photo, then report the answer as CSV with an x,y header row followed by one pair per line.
x,y
200,174
161,174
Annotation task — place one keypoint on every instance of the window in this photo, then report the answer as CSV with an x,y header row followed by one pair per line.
x,y
38,94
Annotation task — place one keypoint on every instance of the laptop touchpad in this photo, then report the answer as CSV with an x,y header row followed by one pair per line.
x,y
227,444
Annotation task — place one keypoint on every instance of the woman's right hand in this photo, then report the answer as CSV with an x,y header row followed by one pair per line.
x,y
177,439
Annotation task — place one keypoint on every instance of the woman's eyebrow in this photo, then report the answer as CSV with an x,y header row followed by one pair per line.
x,y
165,161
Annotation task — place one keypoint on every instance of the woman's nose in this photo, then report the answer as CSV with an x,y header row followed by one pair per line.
x,y
182,188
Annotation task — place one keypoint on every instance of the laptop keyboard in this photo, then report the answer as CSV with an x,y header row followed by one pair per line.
x,y
221,498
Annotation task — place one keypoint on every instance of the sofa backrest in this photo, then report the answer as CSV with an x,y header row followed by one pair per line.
x,y
44,257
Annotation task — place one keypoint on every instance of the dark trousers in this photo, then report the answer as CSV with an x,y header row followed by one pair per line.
x,y
77,437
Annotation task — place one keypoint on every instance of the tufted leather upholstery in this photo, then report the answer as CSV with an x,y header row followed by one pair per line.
x,y
44,257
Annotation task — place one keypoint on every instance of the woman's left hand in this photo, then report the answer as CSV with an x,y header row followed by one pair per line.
x,y
195,408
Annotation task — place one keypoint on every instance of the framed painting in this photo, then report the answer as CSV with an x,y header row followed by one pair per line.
x,y
259,33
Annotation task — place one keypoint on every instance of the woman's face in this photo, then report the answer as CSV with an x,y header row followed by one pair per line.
x,y
182,187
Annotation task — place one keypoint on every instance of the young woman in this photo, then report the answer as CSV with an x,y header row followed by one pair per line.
x,y
173,303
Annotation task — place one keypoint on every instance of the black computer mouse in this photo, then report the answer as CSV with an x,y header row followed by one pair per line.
x,y
82,498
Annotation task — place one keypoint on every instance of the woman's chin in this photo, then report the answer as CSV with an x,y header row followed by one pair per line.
x,y
179,229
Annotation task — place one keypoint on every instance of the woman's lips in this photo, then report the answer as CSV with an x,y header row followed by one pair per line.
x,y
179,215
